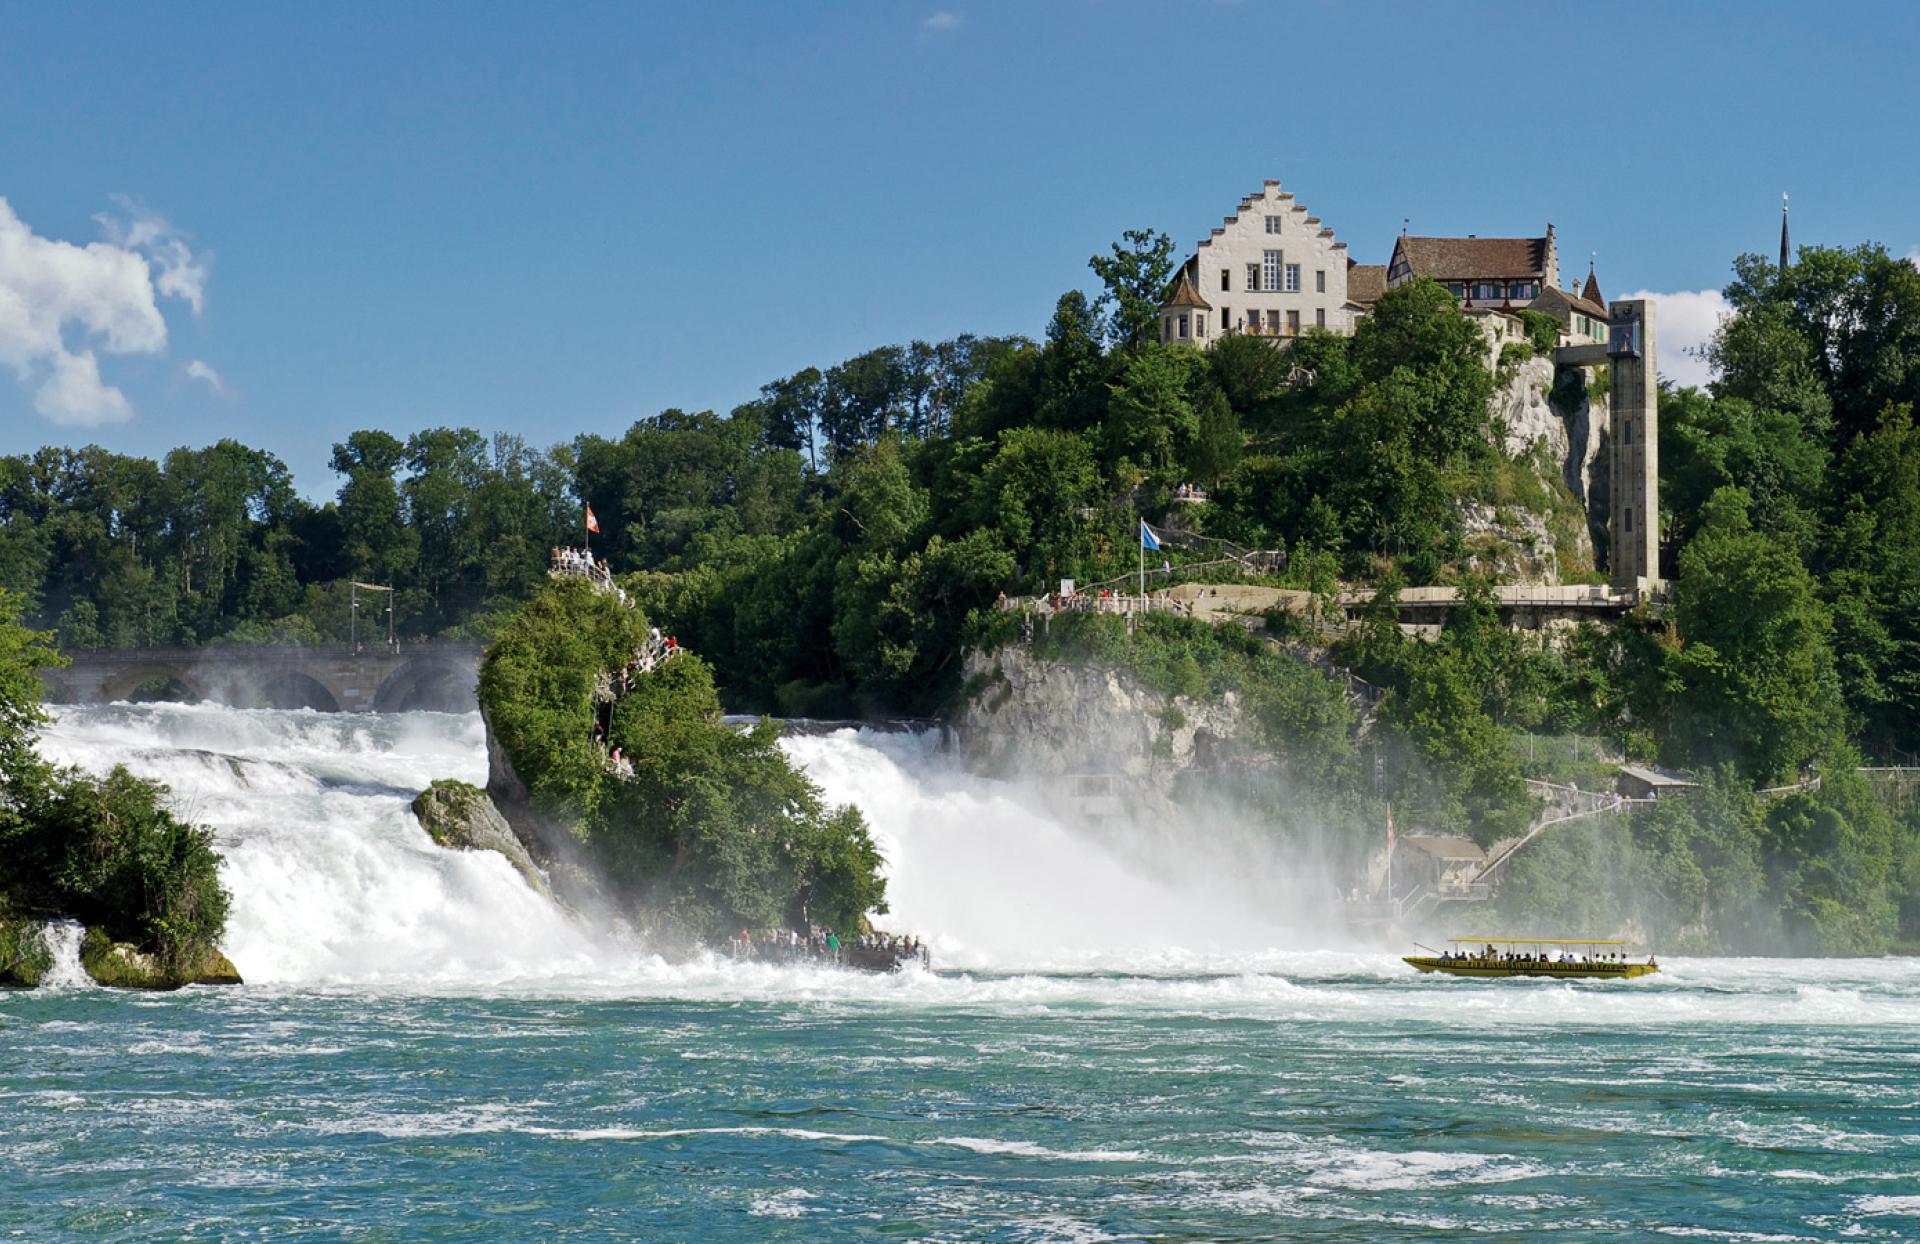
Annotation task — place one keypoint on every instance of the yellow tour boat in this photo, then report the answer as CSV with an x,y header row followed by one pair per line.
x,y
1567,958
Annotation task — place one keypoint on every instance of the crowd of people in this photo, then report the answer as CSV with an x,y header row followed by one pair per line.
x,y
572,563
1493,956
825,946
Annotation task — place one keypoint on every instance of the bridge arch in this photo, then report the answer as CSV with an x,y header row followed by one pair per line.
x,y
292,689
427,684
149,682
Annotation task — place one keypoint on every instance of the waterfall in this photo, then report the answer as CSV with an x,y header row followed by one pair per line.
x,y
332,878
63,941
334,882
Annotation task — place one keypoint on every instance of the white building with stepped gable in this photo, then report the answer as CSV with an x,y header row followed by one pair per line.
x,y
1271,269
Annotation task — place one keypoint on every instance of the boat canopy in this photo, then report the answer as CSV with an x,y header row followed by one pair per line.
x,y
1546,941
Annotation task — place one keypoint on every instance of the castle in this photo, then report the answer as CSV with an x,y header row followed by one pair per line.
x,y
1272,269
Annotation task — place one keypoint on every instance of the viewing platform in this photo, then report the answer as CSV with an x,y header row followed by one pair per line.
x,y
571,563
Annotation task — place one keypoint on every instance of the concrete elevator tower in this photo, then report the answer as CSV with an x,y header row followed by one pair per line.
x,y
1633,515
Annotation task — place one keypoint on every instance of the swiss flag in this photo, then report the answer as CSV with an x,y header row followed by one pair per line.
x,y
593,524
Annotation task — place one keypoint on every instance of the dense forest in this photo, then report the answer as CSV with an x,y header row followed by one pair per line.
x,y
828,546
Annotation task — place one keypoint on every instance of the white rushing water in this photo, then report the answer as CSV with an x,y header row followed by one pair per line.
x,y
336,886
332,878
63,941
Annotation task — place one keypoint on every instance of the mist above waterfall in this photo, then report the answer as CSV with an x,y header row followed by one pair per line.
x,y
1003,875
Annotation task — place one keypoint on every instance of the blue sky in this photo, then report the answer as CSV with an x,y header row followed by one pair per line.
x,y
560,218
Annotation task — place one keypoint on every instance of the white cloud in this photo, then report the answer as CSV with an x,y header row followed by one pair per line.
x,y
74,393
942,22
1684,322
199,370
1913,256
178,272
62,305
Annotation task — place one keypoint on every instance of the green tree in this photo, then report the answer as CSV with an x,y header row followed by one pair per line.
x,y
380,547
1150,416
1216,442
1756,661
1135,274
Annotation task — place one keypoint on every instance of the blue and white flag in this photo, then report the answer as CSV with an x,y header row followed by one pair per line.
x,y
1147,539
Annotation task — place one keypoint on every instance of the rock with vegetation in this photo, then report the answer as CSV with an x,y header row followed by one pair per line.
x,y
25,958
123,965
711,830
461,817
105,851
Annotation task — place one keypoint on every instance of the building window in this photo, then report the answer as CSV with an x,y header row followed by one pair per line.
x,y
1226,320
1523,290
1199,323
1226,280
1183,326
1629,520
1273,224
1320,281
1626,430
1319,317
1293,323
1166,329
1270,269
1488,291
1457,289
1253,276
1292,285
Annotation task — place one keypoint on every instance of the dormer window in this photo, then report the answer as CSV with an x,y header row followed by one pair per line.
x,y
1273,224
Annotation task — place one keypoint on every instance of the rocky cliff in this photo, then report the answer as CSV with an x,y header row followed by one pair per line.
x,y
1029,718
1556,422
551,848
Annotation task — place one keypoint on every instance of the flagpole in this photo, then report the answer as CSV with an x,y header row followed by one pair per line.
x,y
1389,853
1140,538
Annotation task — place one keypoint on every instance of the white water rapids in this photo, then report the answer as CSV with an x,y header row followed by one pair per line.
x,y
336,886
334,881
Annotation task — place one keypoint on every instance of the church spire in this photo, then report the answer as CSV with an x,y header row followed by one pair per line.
x,y
1786,251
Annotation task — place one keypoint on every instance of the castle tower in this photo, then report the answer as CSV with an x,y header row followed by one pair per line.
x,y
1633,522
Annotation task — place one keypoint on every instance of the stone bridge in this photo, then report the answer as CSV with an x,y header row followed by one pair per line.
x,y
438,676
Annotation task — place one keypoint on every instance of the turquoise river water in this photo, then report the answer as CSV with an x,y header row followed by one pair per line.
x,y
427,1051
